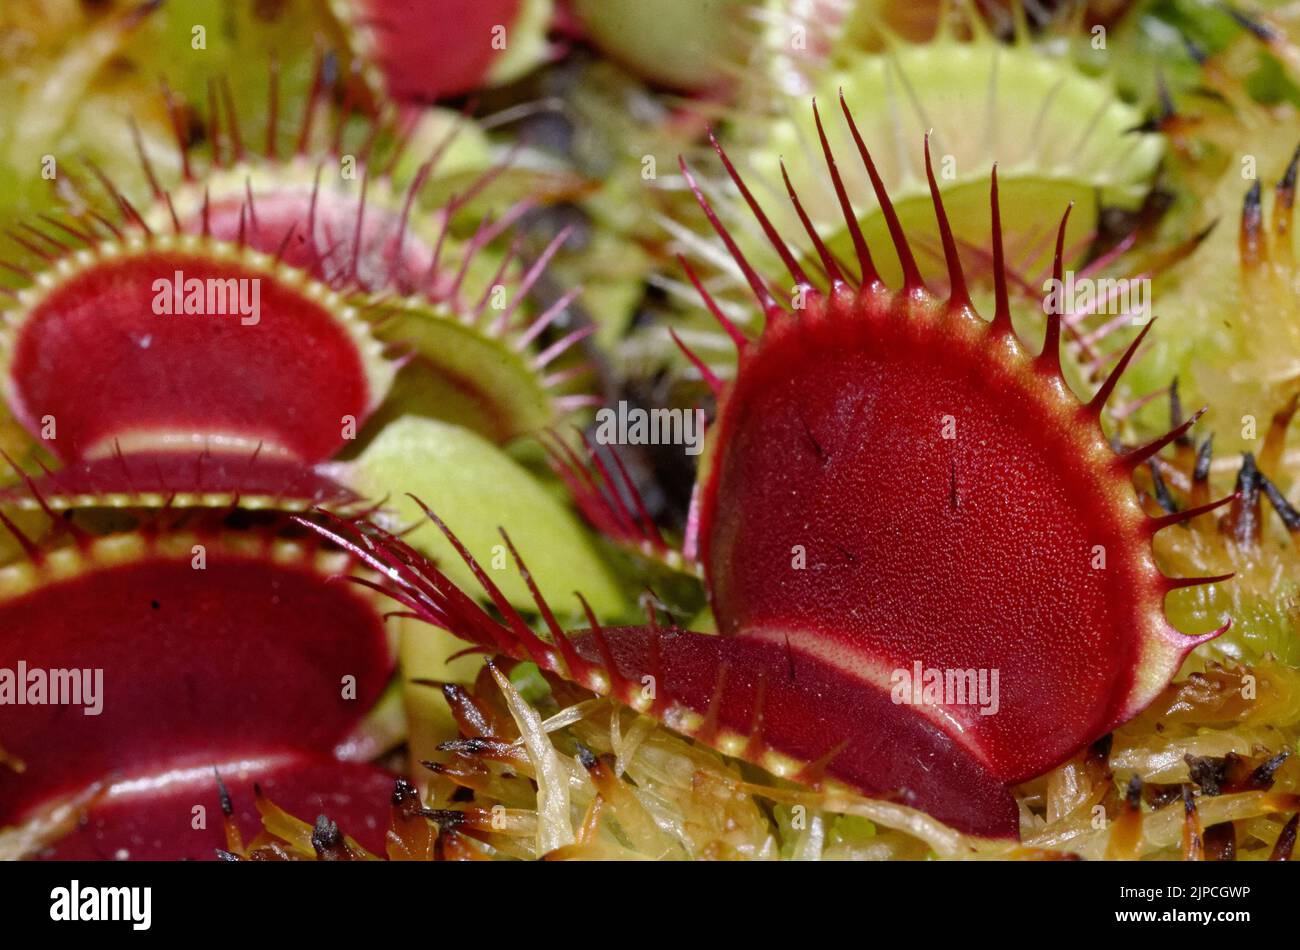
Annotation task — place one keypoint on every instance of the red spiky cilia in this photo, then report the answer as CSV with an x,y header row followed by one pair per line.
x,y
254,193
892,482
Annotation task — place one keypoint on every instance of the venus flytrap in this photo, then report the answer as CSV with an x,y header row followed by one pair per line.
x,y
965,553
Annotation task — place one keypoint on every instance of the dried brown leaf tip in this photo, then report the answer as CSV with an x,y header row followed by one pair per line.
x,y
1234,773
1285,841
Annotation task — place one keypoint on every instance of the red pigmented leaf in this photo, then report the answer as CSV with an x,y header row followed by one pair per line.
x,y
430,50
233,374
154,818
191,649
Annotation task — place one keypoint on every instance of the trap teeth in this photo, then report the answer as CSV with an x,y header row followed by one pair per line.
x,y
178,813
182,479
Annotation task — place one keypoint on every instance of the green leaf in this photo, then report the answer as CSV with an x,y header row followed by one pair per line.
x,y
532,686
463,374
475,487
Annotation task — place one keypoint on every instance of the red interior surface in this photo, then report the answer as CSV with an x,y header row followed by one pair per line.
x,y
429,49
971,552
96,357
241,658
153,818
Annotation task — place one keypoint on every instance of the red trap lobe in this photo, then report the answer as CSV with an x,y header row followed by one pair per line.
x,y
889,492
433,49
194,649
257,356
154,818
768,703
